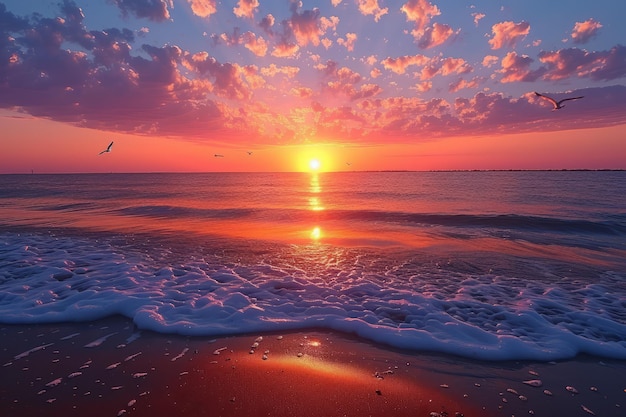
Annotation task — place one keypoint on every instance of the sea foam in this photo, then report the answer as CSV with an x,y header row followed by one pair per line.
x,y
405,302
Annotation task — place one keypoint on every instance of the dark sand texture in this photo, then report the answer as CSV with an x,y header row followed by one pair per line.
x,y
109,368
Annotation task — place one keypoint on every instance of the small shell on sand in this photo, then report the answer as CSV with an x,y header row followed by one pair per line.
x,y
300,354
279,337
264,357
571,389
586,410
547,392
534,382
218,351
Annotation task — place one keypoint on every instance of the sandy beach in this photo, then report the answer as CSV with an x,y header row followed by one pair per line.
x,y
110,368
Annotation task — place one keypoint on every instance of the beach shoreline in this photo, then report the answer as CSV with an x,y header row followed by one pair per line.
x,y
111,368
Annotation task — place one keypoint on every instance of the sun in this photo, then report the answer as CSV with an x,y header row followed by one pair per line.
x,y
314,164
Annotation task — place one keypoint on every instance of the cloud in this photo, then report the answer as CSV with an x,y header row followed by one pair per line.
x,y
272,70
306,26
302,92
516,68
435,35
430,66
574,62
371,7
506,34
349,41
477,17
56,68
400,64
461,84
585,31
157,10
490,60
203,8
420,12
256,45
285,50
246,8
267,23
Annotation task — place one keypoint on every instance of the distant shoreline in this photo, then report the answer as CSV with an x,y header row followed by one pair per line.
x,y
323,172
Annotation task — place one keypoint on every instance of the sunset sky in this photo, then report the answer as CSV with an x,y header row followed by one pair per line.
x,y
355,84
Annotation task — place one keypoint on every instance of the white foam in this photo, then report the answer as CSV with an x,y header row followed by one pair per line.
x,y
405,303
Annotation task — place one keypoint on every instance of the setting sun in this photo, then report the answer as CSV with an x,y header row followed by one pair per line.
x,y
314,164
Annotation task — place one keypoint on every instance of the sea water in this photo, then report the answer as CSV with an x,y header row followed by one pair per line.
x,y
489,265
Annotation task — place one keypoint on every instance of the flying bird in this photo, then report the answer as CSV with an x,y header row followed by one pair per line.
x,y
249,152
108,149
218,155
557,104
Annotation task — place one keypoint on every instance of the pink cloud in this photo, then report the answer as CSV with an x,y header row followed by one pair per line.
x,y
424,86
267,23
57,69
477,17
517,68
203,8
272,70
371,7
285,50
326,43
246,8
584,31
574,62
420,12
349,41
490,60
157,10
447,66
302,92
257,45
306,26
506,34
435,35
461,84
400,64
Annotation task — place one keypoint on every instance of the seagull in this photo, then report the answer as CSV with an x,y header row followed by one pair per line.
x,y
217,155
108,149
249,152
557,104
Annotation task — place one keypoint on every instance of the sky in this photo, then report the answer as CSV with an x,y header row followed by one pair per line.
x,y
269,85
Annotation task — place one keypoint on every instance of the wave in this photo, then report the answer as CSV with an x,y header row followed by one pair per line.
x,y
616,227
396,301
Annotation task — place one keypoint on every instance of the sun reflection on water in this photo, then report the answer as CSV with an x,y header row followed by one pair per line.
x,y
316,233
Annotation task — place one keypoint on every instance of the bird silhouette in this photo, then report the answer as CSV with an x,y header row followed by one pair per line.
x,y
218,155
108,149
557,104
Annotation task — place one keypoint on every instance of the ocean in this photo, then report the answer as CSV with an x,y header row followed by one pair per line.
x,y
487,265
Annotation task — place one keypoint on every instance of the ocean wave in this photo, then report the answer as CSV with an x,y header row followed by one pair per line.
x,y
614,227
392,299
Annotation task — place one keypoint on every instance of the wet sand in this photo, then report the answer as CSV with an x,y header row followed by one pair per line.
x,y
110,368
